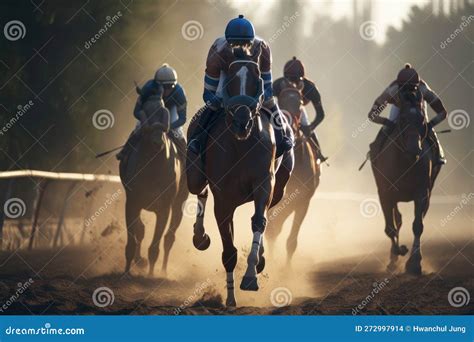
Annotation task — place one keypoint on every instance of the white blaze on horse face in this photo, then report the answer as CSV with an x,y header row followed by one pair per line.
x,y
242,74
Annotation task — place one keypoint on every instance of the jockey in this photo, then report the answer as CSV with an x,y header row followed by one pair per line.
x,y
407,78
174,98
294,75
239,33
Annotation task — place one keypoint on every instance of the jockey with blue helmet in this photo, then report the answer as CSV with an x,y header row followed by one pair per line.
x,y
165,83
239,33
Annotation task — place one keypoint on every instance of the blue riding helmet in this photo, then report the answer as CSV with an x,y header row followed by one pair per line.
x,y
239,29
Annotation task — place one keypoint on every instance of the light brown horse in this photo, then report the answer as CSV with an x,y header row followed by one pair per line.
x,y
153,181
404,171
304,179
240,167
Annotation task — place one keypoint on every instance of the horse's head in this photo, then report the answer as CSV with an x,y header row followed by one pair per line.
x,y
412,124
290,101
158,120
243,92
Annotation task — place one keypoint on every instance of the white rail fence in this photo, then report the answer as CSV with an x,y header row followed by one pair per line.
x,y
45,179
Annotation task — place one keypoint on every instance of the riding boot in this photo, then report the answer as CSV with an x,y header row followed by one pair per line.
x,y
180,142
439,157
198,139
377,145
130,145
284,142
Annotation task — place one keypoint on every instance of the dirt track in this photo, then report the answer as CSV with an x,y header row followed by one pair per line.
x,y
65,286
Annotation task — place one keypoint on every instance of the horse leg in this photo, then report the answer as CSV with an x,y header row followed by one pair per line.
x,y
276,217
176,218
389,209
160,225
200,239
413,264
229,253
134,227
262,196
300,213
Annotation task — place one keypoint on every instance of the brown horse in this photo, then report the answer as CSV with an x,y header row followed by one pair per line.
x,y
240,167
404,171
303,181
153,181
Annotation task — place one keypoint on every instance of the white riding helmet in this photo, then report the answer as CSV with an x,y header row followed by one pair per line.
x,y
166,75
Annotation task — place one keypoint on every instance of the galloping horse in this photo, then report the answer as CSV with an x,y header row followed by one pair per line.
x,y
303,181
153,181
241,167
404,171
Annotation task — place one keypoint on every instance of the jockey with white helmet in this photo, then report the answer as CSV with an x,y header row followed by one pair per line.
x,y
165,83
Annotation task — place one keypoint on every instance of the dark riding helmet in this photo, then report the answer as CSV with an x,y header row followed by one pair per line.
x,y
408,76
239,31
294,69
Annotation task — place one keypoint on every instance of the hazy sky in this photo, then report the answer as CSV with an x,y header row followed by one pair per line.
x,y
385,12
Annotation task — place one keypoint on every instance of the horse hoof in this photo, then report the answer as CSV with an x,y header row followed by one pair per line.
x,y
249,284
230,303
202,242
261,264
392,267
413,267
403,250
141,262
